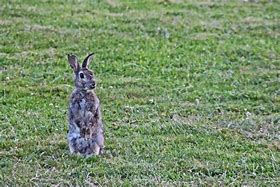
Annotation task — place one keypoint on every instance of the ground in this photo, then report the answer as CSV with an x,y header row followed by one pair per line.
x,y
189,91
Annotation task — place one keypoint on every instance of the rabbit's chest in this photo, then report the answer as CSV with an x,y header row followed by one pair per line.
x,y
86,108
83,106
83,109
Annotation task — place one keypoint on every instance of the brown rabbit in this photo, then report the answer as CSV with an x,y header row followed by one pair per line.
x,y
85,135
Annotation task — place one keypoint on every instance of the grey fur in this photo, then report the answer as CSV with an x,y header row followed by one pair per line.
x,y
85,135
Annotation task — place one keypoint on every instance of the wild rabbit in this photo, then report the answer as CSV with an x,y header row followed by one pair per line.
x,y
85,135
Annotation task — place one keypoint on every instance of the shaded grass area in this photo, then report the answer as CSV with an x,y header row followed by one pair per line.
x,y
189,91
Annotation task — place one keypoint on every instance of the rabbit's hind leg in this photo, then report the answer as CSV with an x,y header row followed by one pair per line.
x,y
97,150
94,147
72,142
100,142
78,144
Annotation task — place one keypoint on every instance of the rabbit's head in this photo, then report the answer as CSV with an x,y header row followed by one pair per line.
x,y
84,78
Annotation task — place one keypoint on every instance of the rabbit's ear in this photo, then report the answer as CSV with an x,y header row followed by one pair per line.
x,y
87,60
73,61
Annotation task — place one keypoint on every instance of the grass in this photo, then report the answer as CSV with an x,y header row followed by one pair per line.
x,y
189,91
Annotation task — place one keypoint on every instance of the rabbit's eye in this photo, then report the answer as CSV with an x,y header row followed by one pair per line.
x,y
82,75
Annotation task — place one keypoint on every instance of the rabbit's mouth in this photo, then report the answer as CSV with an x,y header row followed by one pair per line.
x,y
91,86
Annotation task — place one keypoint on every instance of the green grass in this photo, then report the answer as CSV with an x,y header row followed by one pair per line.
x,y
189,91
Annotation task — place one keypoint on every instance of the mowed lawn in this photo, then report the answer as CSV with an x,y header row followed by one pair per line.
x,y
190,91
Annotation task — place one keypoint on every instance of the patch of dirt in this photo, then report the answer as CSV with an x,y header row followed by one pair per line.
x,y
255,127
203,36
113,3
5,22
189,120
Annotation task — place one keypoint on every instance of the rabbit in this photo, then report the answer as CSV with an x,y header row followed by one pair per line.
x,y
85,134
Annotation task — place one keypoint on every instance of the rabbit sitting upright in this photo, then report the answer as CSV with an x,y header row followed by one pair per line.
x,y
85,135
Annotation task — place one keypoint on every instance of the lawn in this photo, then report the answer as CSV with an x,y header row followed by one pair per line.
x,y
190,91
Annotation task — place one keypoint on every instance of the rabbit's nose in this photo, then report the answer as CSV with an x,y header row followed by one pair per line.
x,y
92,85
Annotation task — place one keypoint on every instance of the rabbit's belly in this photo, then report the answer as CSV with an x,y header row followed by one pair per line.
x,y
87,133
88,124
